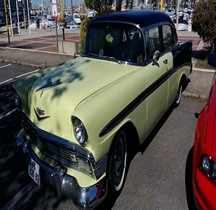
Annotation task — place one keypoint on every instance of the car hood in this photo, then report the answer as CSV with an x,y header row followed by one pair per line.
x,y
53,97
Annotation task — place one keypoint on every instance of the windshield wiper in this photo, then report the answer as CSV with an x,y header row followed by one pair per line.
x,y
90,54
112,59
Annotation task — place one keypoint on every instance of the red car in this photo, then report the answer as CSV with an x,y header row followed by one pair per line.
x,y
204,155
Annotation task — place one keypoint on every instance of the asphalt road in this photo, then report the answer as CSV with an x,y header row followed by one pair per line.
x,y
158,176
10,72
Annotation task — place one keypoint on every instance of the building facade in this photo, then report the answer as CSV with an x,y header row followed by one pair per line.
x,y
14,8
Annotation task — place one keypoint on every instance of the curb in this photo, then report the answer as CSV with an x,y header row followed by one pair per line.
x,y
37,51
204,70
33,58
42,66
194,96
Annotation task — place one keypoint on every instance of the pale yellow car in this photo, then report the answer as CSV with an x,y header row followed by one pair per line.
x,y
82,120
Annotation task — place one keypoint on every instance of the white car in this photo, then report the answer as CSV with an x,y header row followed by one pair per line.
x,y
76,18
72,26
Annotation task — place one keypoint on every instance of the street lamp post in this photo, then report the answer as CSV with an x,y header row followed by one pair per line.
x,y
62,19
28,17
55,16
161,5
6,17
177,16
11,21
18,24
24,13
72,9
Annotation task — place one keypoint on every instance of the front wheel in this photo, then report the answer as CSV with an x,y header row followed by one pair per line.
x,y
117,166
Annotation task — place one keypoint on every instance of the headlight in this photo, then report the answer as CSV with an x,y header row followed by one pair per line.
x,y
208,166
79,131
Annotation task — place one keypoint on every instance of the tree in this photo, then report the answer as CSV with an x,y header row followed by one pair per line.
x,y
104,6
204,21
129,4
100,6
118,5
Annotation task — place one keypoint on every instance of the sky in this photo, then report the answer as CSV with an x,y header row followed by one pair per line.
x,y
47,2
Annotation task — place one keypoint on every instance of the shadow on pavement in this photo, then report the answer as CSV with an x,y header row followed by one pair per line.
x,y
12,175
201,54
13,167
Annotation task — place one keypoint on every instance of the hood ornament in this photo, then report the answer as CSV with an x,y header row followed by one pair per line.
x,y
40,114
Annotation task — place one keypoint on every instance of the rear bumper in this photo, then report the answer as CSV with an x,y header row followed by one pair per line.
x,y
82,197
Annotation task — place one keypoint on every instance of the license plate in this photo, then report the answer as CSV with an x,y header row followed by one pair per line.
x,y
34,171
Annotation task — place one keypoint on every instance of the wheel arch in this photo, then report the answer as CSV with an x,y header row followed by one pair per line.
x,y
130,132
184,81
132,136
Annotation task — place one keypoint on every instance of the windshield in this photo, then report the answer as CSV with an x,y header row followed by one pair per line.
x,y
121,42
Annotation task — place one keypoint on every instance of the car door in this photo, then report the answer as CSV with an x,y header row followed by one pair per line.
x,y
157,83
169,40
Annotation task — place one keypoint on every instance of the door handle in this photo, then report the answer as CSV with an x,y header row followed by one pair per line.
x,y
165,61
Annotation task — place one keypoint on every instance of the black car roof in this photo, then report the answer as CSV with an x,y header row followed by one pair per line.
x,y
143,18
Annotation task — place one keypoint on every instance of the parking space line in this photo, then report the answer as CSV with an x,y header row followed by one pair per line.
x,y
1,67
17,77
10,204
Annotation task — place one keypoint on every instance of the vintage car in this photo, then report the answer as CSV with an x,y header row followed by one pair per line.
x,y
82,119
204,155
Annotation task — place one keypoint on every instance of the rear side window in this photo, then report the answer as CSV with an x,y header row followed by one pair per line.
x,y
161,38
168,37
153,42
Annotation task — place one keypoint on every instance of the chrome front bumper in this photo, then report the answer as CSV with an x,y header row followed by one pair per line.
x,y
82,197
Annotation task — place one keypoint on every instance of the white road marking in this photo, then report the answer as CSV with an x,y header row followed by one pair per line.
x,y
1,67
10,204
17,77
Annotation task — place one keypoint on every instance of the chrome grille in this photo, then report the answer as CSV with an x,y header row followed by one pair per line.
x,y
58,152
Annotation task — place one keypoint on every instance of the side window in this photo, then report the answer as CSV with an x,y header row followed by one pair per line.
x,y
168,37
153,42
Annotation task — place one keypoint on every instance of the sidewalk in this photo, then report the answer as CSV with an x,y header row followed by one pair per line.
x,y
26,34
201,79
36,57
32,58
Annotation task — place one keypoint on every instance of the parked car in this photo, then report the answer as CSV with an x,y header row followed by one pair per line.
x,y
76,18
204,155
72,26
50,23
82,120
182,25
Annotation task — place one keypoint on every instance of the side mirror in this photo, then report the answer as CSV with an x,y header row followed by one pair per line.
x,y
156,55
